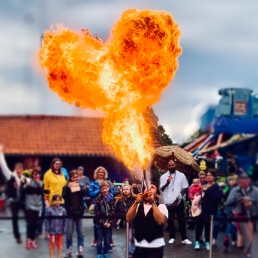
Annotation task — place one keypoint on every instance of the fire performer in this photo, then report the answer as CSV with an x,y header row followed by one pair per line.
x,y
149,217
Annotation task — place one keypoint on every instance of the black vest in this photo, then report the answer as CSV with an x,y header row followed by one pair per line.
x,y
146,227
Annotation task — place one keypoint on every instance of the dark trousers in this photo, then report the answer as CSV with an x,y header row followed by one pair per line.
x,y
200,224
148,252
15,207
179,211
32,223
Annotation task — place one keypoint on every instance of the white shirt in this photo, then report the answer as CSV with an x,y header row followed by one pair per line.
x,y
176,185
156,242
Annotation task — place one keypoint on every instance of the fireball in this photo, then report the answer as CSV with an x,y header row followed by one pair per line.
x,y
121,76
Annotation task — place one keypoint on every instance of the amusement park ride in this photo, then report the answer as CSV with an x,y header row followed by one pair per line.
x,y
232,143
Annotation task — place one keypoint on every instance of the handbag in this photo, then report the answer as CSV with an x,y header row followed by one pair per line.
x,y
91,209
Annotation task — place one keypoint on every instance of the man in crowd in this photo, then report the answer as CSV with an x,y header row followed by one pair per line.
x,y
174,185
13,192
244,200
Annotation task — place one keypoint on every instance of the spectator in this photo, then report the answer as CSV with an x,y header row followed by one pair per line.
x,y
122,207
33,193
209,206
244,201
55,228
13,192
84,182
174,185
54,181
73,195
104,211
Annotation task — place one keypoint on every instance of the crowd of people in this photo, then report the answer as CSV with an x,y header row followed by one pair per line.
x,y
59,199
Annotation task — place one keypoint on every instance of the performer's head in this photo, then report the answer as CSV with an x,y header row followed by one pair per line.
x,y
171,166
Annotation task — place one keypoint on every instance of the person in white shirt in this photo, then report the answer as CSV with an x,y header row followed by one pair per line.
x,y
174,185
148,218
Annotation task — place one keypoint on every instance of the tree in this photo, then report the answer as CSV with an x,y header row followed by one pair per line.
x,y
165,137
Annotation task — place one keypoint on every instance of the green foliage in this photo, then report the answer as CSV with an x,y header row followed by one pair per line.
x,y
165,137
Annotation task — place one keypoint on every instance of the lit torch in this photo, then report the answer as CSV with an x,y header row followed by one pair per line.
x,y
122,76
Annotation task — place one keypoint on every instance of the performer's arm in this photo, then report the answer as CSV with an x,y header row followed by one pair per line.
x,y
158,215
133,210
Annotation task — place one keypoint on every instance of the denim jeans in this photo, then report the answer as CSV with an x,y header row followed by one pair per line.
x,y
131,240
103,234
78,222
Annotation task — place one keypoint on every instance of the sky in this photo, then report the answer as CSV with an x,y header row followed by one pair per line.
x,y
219,40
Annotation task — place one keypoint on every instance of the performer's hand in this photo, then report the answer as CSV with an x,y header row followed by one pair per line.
x,y
15,184
139,198
148,196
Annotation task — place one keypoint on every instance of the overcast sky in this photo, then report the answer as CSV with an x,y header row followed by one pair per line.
x,y
219,40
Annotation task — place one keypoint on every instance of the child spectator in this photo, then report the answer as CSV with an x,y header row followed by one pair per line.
x,y
122,207
195,195
104,210
32,190
73,194
55,227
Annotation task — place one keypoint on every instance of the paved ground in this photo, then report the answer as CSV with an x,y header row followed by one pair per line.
x,y
9,248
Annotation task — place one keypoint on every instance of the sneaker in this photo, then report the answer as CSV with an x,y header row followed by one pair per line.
x,y
28,244
171,241
207,246
117,227
233,243
106,256
213,241
187,242
94,243
80,251
33,244
99,256
112,243
197,246
68,253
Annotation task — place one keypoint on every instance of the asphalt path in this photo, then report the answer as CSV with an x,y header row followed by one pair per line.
x,y
10,249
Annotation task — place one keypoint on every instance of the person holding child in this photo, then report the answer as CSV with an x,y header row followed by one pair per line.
x,y
55,227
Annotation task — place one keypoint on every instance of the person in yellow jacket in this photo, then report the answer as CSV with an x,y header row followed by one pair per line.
x,y
54,181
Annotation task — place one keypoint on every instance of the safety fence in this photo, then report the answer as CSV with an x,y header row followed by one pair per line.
x,y
212,219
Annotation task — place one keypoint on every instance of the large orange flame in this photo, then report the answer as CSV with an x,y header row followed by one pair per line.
x,y
121,76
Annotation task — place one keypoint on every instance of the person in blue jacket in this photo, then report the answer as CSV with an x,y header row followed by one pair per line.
x,y
100,174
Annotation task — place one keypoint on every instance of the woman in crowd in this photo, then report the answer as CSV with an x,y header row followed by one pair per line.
x,y
84,182
100,174
122,207
209,206
73,195
104,210
54,181
32,191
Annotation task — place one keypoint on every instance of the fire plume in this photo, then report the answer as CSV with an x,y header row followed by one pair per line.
x,y
121,76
